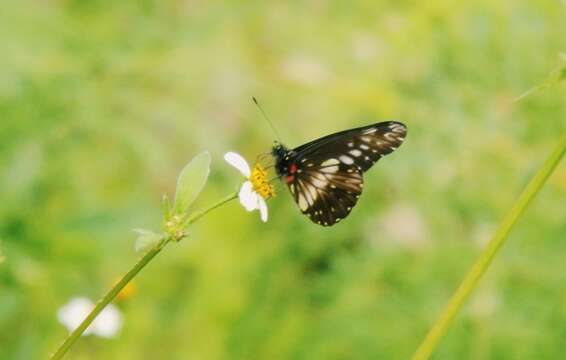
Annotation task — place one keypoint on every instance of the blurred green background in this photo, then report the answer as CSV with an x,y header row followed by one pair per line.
x,y
103,102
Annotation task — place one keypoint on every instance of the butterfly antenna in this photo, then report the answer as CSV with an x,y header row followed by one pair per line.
x,y
267,119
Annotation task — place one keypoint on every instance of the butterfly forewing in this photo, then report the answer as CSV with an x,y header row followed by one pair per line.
x,y
325,175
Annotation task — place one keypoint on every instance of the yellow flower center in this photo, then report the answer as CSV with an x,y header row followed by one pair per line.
x,y
260,183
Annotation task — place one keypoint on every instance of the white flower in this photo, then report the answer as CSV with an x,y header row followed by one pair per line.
x,y
256,188
106,324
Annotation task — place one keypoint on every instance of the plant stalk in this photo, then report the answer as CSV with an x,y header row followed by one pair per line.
x,y
486,257
115,290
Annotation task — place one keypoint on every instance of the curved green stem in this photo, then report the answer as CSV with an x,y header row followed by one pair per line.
x,y
197,215
69,341
148,256
486,257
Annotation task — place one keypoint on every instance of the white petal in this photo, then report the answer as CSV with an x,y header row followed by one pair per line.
x,y
248,197
108,322
262,209
74,312
237,161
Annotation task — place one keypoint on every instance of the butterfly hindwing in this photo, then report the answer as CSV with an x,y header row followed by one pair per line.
x,y
325,175
327,193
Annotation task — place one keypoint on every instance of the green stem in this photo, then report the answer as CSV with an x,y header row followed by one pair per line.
x,y
70,340
197,215
75,334
482,263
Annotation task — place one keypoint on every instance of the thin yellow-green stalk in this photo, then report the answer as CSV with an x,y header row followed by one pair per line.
x,y
106,299
482,263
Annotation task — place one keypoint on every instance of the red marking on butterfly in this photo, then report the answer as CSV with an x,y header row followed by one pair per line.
x,y
292,170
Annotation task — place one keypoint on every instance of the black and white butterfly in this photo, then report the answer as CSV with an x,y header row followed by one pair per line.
x,y
325,175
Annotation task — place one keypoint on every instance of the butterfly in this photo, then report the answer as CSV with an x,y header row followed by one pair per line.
x,y
325,176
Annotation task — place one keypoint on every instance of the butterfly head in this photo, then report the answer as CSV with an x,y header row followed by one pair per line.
x,y
283,159
279,150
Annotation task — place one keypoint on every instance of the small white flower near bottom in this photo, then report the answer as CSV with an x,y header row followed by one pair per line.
x,y
106,324
255,189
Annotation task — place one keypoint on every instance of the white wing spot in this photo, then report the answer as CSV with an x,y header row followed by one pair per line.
x,y
330,169
390,136
330,161
367,158
369,131
311,194
355,152
319,176
364,147
321,184
366,139
350,144
397,128
346,160
302,203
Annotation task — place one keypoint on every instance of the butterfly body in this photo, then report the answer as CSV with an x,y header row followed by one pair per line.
x,y
325,176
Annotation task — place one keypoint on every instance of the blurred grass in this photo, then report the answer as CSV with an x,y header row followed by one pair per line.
x,y
101,104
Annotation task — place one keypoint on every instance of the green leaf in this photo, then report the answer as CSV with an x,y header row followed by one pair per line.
x,y
191,181
146,239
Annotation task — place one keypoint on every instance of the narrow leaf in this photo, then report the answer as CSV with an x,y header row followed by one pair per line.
x,y
146,239
191,181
